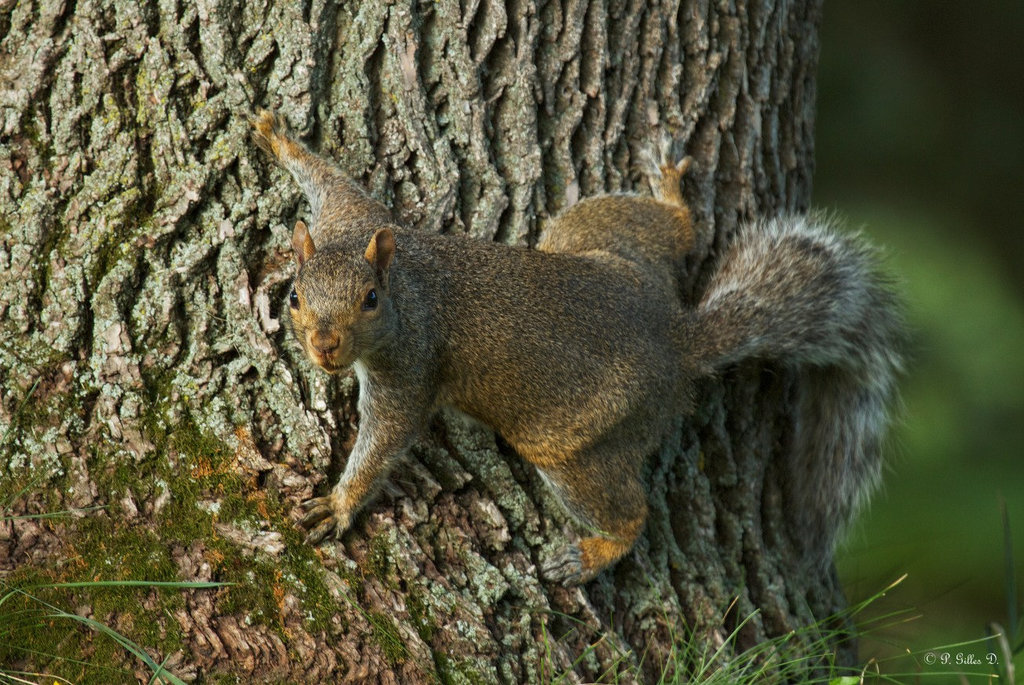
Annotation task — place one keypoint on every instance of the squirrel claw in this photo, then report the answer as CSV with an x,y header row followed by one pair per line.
x,y
319,533
322,519
566,567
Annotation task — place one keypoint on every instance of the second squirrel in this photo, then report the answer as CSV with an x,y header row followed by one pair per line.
x,y
580,353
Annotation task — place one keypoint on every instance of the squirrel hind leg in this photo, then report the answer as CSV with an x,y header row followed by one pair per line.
x,y
667,185
579,563
665,169
270,133
266,131
612,509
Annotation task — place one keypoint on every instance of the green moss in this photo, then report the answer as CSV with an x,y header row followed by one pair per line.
x,y
354,580
29,627
203,471
155,422
378,560
195,477
305,574
420,614
453,672
41,141
385,634
108,548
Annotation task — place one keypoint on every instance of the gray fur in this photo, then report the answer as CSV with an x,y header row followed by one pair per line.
x,y
580,353
796,291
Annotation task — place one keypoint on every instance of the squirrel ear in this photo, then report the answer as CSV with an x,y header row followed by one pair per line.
x,y
380,250
302,243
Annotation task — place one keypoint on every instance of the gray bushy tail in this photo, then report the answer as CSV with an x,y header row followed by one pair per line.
x,y
795,291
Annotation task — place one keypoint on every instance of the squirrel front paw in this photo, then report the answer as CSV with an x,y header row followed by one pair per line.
x,y
324,516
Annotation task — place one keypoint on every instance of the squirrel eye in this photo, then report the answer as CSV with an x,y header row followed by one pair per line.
x,y
293,299
371,300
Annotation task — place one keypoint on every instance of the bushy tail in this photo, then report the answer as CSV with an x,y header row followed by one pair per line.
x,y
795,291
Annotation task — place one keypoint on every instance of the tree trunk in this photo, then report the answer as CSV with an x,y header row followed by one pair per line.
x,y
147,386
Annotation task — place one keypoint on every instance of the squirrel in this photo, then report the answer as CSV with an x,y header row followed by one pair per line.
x,y
581,353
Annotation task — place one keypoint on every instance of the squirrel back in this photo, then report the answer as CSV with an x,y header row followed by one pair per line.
x,y
480,320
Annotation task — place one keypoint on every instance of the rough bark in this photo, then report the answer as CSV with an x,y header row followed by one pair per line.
x,y
143,369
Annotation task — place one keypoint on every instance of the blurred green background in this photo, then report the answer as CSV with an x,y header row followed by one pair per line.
x,y
920,141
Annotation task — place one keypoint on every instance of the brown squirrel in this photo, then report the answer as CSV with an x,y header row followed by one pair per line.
x,y
580,353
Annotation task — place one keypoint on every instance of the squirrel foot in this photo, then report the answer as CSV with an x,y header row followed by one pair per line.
x,y
270,133
566,567
324,516
578,564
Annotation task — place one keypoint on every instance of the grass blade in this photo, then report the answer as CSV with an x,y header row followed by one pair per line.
x,y
1011,577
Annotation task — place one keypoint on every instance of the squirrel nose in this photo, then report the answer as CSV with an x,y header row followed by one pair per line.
x,y
324,343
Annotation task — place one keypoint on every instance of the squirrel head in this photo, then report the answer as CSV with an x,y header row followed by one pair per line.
x,y
339,305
